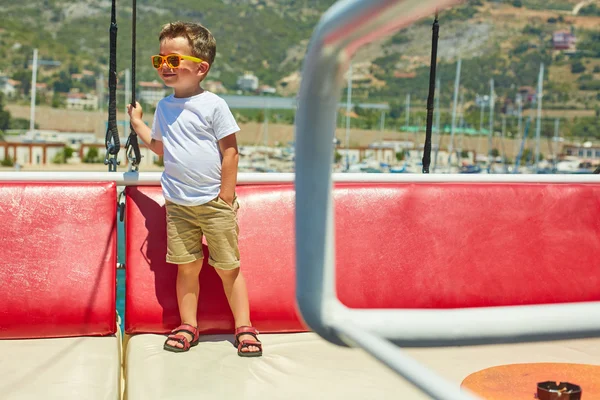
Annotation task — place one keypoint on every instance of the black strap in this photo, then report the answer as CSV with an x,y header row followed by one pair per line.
x,y
133,149
113,144
430,98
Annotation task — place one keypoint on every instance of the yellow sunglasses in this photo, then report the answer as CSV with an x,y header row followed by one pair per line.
x,y
172,60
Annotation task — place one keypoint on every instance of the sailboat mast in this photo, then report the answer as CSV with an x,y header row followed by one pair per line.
x,y
438,140
491,132
538,127
348,109
454,105
33,87
407,119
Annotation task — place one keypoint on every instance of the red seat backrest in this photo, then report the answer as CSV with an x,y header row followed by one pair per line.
x,y
266,243
398,245
58,259
456,245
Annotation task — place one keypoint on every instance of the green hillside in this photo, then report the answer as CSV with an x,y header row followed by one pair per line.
x,y
501,40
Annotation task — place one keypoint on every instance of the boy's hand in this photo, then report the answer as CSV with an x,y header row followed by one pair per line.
x,y
135,112
226,199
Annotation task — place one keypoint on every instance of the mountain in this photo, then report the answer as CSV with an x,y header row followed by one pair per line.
x,y
505,41
257,36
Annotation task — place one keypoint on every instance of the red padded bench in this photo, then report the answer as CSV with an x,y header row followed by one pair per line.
x,y
57,280
58,250
266,244
397,246
410,245
456,245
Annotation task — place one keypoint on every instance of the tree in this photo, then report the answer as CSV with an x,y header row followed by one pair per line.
x,y
337,157
58,101
24,77
68,152
577,67
21,123
74,69
58,158
7,162
4,115
260,117
62,158
63,83
91,156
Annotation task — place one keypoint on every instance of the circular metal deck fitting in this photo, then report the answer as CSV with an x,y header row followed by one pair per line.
x,y
550,390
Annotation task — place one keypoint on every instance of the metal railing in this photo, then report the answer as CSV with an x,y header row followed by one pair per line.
x,y
341,31
250,178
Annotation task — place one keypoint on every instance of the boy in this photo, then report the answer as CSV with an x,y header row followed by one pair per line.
x,y
195,131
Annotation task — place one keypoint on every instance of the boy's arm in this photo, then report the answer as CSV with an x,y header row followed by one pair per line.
x,y
145,133
229,167
143,130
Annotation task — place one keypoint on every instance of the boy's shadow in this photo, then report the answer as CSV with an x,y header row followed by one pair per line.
x,y
147,248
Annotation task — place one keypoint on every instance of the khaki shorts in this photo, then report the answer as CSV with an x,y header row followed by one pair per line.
x,y
216,220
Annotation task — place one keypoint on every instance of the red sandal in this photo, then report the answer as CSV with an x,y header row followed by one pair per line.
x,y
247,330
187,328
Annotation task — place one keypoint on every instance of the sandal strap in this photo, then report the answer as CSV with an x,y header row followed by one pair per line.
x,y
248,343
187,328
246,330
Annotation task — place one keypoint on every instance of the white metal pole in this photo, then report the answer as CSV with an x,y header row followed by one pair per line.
x,y
481,113
33,87
491,132
454,105
461,126
348,109
519,121
407,117
437,123
538,127
502,142
555,144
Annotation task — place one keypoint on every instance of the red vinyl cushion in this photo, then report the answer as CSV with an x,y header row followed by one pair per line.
x,y
452,245
58,259
398,245
266,243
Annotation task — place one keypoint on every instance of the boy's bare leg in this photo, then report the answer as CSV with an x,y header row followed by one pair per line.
x,y
237,296
188,289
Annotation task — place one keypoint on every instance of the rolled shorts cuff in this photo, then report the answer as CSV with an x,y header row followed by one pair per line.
x,y
188,258
224,265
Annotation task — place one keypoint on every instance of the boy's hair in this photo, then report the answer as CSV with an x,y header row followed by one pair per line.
x,y
201,41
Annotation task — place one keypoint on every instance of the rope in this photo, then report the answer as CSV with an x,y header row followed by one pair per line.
x,y
112,133
430,98
133,148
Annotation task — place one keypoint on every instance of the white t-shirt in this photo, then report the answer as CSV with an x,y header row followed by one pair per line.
x,y
190,129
